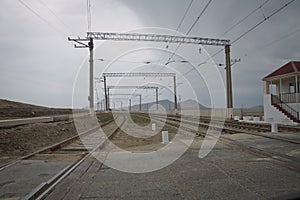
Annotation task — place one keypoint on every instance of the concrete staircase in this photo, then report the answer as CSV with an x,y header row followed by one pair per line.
x,y
286,113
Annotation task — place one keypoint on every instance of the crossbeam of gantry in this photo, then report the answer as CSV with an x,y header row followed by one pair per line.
x,y
140,74
128,94
157,38
132,87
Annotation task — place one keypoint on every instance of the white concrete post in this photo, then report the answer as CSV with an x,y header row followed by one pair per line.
x,y
153,127
274,127
165,137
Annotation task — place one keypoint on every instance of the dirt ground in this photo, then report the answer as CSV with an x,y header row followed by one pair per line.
x,y
22,140
130,143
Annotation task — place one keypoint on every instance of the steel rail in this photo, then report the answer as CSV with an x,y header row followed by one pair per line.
x,y
45,188
284,160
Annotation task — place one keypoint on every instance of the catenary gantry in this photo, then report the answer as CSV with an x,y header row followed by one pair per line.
x,y
131,87
140,74
91,36
128,94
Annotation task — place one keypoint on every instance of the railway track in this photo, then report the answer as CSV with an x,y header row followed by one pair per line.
x,y
231,127
289,161
54,162
70,153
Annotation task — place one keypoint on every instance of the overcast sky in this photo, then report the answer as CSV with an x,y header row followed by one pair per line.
x,y
39,65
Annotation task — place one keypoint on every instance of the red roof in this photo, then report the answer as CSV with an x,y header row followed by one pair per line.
x,y
289,68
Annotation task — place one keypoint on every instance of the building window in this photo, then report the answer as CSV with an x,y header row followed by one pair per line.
x,y
293,87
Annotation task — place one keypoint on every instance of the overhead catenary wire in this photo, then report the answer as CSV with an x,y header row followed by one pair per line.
x,y
42,18
255,26
261,22
179,25
58,18
176,31
189,30
184,15
242,35
238,23
276,40
244,18
192,27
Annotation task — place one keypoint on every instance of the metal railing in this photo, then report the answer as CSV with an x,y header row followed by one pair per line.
x,y
290,97
275,100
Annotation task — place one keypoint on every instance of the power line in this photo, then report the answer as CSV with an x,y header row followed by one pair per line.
x,y
202,12
58,18
277,40
262,21
43,19
185,13
251,29
241,36
191,28
179,25
188,32
244,18
238,23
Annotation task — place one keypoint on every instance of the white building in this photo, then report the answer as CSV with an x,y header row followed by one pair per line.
x,y
282,94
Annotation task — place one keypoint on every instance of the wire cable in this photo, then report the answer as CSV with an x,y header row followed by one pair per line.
x,y
275,41
179,25
43,19
191,28
188,32
185,14
262,21
244,18
255,26
242,35
58,18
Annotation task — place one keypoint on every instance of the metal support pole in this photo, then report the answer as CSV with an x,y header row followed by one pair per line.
x,y
175,93
106,102
140,103
228,82
91,96
121,105
129,105
297,89
156,91
280,88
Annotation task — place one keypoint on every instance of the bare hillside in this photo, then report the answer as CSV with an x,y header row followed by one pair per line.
x,y
11,109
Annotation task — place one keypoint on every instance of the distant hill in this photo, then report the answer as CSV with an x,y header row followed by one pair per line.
x,y
145,106
190,104
11,109
169,105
